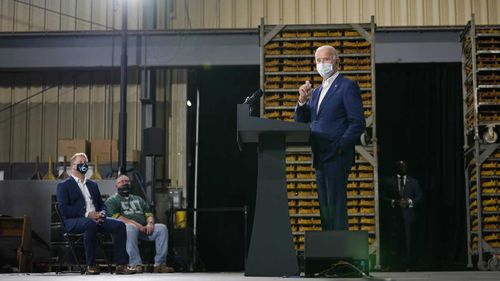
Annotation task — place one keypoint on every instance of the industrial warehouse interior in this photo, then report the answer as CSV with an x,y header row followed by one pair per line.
x,y
236,139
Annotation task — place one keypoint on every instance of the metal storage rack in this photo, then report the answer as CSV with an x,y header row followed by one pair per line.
x,y
481,96
287,61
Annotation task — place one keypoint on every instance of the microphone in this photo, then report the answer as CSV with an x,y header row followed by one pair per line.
x,y
254,97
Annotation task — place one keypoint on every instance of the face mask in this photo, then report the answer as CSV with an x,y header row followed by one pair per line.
x,y
401,169
82,168
325,69
124,190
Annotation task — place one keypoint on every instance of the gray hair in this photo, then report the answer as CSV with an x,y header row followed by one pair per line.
x,y
332,50
122,177
76,155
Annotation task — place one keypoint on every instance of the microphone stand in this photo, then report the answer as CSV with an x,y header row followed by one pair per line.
x,y
251,101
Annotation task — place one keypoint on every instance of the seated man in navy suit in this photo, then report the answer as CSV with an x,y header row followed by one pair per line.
x,y
335,113
83,211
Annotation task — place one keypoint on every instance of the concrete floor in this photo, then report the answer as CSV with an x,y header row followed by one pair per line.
x,y
236,276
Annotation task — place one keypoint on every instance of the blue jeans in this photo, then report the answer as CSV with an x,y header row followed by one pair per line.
x,y
159,235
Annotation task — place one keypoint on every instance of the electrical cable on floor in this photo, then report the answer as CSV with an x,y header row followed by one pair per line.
x,y
335,271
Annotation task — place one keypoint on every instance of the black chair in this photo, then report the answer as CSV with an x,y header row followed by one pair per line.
x,y
76,239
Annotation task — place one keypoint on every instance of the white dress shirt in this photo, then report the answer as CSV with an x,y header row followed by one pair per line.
x,y
325,87
89,205
401,187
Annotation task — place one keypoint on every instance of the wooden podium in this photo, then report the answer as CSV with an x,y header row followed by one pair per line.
x,y
16,227
271,251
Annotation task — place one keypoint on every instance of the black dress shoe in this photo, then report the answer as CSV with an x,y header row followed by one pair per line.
x,y
92,270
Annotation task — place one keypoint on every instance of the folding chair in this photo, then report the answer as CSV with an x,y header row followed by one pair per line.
x,y
74,239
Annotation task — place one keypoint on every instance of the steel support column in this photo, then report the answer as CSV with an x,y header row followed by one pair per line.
x,y
148,101
122,130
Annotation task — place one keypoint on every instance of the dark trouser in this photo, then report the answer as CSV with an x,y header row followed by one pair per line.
x,y
89,228
406,237
331,181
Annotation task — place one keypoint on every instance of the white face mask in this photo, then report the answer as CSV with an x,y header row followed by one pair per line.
x,y
325,69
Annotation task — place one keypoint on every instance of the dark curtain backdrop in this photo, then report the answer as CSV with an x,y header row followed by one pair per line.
x,y
227,177
419,119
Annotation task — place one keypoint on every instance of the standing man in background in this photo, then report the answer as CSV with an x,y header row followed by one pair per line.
x,y
140,223
335,111
83,211
401,194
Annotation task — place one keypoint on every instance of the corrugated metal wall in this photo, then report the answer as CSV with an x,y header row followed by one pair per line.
x,y
247,14
37,109
54,15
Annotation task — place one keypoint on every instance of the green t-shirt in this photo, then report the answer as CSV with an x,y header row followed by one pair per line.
x,y
132,207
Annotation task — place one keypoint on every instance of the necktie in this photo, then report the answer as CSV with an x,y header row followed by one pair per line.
x,y
401,186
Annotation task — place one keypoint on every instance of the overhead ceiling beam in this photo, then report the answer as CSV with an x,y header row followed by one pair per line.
x,y
19,51
193,48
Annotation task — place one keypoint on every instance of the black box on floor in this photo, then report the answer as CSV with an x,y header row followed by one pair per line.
x,y
326,251
182,244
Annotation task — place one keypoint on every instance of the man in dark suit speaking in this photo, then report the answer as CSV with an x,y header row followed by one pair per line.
x,y
335,112
83,211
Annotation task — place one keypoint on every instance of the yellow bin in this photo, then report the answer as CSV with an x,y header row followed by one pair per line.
x,y
180,219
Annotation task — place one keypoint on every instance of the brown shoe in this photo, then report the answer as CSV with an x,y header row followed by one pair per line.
x,y
138,268
124,269
163,268
92,270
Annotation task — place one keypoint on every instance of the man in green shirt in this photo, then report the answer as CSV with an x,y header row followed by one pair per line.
x,y
140,223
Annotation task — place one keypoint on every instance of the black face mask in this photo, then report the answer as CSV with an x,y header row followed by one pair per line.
x,y
82,168
124,190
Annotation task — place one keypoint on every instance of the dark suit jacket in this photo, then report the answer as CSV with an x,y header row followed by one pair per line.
x,y
339,122
72,203
412,191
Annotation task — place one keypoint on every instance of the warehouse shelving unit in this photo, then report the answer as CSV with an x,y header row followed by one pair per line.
x,y
481,109
287,61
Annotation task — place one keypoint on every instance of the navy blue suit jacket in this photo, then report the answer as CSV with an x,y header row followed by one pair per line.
x,y
339,122
412,191
72,203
